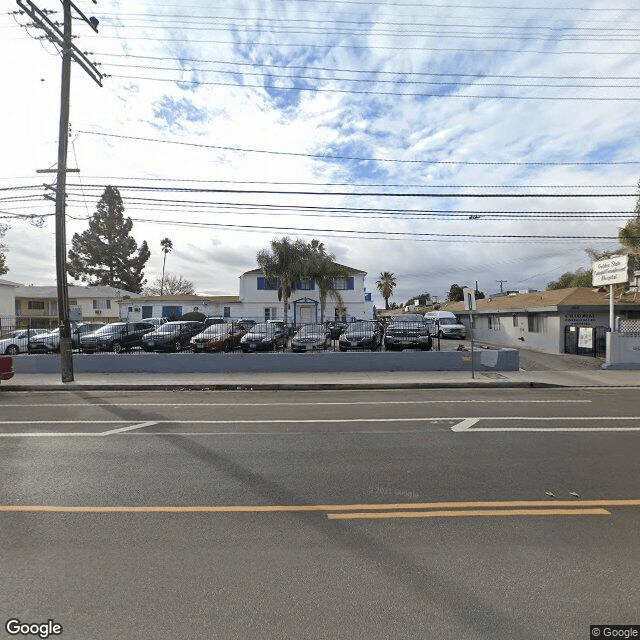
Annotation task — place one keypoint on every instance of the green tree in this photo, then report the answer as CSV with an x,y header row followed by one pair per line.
x,y
579,278
3,258
170,285
386,284
166,245
284,263
456,294
629,235
105,254
325,272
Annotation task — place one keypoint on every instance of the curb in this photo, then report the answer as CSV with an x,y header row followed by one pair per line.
x,y
328,386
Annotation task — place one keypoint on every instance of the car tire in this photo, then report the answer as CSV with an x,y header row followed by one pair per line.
x,y
116,347
12,350
226,347
177,346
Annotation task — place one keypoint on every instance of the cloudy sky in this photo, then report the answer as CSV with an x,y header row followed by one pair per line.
x,y
444,142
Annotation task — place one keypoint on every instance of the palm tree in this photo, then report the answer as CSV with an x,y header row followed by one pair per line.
x,y
166,245
285,263
386,283
324,272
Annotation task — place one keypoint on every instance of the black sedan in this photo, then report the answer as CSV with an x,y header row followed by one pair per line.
x,y
265,336
172,336
363,335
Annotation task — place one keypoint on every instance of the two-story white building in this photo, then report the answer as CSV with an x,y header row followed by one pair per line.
x,y
258,300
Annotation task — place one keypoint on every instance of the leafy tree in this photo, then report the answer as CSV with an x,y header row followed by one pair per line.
x,y
166,245
456,294
105,254
285,263
3,257
581,277
629,235
325,271
386,284
170,286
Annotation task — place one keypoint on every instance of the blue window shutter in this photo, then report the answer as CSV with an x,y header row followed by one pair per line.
x,y
262,283
350,283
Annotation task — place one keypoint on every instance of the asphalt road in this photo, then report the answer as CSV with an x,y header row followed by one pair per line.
x,y
475,514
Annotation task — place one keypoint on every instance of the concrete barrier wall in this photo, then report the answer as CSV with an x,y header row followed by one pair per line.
x,y
623,351
485,360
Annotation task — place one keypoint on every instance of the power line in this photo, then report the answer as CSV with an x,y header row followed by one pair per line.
x,y
372,71
360,159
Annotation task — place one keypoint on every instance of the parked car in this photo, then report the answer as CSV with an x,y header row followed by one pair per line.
x,y
407,332
311,337
218,337
364,334
50,342
6,368
116,337
18,341
264,336
171,336
444,324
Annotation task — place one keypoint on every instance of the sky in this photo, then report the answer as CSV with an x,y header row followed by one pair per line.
x,y
482,141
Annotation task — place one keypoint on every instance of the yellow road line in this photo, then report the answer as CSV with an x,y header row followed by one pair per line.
x,y
467,513
507,504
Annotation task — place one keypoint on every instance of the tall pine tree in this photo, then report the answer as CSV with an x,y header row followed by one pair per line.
x,y
105,254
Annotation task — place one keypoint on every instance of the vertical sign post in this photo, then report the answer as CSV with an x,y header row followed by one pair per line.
x,y
470,306
611,271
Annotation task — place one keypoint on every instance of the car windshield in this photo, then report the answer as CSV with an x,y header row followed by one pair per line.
x,y
409,317
448,321
216,330
358,327
311,328
263,327
170,327
107,329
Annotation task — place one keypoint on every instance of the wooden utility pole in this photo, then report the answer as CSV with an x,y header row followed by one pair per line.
x,y
66,358
69,52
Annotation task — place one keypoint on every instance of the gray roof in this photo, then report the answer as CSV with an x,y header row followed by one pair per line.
x,y
74,292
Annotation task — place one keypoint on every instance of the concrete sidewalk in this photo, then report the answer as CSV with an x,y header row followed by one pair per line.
x,y
314,381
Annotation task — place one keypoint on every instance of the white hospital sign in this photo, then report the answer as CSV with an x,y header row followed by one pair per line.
x,y
611,271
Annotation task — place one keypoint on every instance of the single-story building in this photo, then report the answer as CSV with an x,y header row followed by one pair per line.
x,y
555,321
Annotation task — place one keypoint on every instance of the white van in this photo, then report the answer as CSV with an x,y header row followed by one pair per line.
x,y
444,324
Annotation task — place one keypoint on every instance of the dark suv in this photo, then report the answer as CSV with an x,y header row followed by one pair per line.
x,y
116,337
407,331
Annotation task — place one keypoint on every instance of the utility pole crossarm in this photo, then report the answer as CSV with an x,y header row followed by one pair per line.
x,y
41,19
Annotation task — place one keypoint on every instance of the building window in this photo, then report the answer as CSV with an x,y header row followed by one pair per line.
x,y
515,319
344,284
102,304
267,285
534,322
307,284
340,314
35,305
270,313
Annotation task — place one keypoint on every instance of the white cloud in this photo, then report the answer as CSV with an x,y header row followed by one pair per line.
x,y
335,42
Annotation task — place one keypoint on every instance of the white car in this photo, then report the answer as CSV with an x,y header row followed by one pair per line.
x,y
18,341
